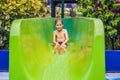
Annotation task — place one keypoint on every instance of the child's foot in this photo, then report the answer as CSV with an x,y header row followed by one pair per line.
x,y
62,51
56,52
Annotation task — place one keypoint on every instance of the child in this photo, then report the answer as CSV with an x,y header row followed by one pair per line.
x,y
60,37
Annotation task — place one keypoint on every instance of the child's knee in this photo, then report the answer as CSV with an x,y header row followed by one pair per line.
x,y
61,47
56,47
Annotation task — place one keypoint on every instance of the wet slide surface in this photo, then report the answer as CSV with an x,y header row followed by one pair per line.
x,y
32,57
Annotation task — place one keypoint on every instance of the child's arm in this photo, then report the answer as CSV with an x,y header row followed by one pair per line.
x,y
66,37
54,39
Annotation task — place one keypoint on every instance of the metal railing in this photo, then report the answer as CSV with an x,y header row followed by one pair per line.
x,y
55,2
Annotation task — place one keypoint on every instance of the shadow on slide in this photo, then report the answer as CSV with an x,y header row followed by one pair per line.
x,y
32,57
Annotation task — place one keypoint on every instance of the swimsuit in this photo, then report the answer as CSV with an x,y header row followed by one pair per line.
x,y
60,43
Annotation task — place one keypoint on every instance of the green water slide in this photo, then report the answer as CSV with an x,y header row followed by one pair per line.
x,y
32,57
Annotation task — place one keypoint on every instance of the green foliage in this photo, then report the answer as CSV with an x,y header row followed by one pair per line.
x,y
109,12
16,9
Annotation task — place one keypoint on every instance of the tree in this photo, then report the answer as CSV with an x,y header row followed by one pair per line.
x,y
17,9
109,12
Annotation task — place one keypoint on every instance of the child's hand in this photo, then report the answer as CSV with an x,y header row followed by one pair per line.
x,y
63,45
57,44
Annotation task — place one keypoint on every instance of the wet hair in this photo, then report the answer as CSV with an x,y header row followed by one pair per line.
x,y
59,19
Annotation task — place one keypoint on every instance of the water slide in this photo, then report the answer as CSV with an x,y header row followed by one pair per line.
x,y
32,56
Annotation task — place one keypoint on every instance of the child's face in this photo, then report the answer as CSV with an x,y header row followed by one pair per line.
x,y
59,25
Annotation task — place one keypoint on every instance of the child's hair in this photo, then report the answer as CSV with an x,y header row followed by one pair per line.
x,y
58,19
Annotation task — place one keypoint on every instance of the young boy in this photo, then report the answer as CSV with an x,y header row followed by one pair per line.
x,y
60,37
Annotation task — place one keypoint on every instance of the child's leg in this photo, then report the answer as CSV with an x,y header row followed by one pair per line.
x,y
63,49
56,49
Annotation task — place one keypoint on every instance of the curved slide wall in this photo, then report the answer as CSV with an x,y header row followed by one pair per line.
x,y
32,57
